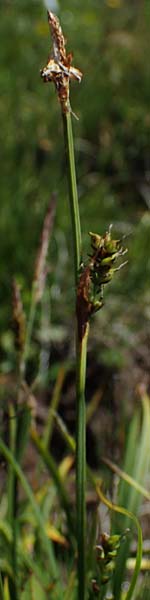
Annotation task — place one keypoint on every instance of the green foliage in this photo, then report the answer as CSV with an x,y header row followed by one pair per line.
x,y
137,463
111,137
33,590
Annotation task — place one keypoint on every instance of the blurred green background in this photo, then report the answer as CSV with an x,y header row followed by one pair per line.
x,y
110,44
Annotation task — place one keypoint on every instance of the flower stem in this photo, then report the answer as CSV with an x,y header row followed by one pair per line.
x,y
81,354
81,461
73,194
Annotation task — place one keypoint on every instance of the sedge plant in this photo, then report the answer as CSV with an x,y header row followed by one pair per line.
x,y
90,277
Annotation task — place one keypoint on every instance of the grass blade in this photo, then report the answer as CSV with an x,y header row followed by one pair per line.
x,y
52,468
129,496
132,517
28,491
127,478
2,597
53,406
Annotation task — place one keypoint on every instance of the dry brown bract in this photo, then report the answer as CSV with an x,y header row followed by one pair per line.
x,y
58,68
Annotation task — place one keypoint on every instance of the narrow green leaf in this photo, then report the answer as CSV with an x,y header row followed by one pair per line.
x,y
28,491
33,590
129,496
71,587
53,406
2,597
132,517
6,589
127,478
53,470
6,531
5,567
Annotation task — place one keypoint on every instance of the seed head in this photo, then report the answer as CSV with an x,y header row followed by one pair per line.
x,y
98,272
59,69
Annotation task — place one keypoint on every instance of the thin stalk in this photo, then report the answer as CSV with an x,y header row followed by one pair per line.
x,y
81,462
81,356
73,194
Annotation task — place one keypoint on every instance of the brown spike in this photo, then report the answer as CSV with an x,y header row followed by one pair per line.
x,y
18,317
58,68
40,268
59,50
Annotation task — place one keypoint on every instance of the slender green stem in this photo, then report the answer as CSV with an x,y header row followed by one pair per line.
x,y
73,194
81,354
81,462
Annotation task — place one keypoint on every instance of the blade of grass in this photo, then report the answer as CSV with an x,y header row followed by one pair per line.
x,y
70,591
28,491
129,496
71,444
132,517
1,589
127,478
53,470
6,531
31,564
19,429
6,589
6,568
134,431
142,458
53,406
67,437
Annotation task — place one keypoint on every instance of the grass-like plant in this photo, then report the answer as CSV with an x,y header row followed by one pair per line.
x,y
90,277
29,566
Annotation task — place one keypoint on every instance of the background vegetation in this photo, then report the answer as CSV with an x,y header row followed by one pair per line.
x,y
110,42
